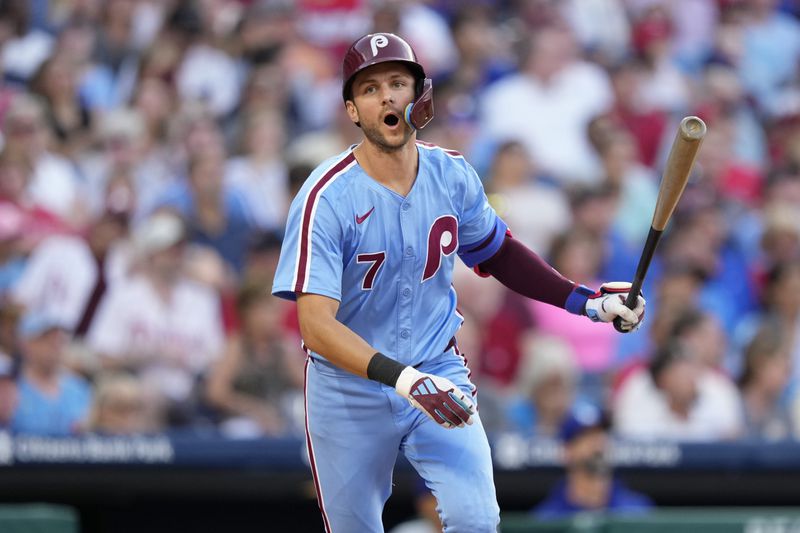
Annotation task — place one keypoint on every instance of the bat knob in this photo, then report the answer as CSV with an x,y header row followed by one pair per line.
x,y
693,128
618,325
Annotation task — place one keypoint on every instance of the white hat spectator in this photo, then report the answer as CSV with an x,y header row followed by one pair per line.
x,y
546,356
121,123
161,231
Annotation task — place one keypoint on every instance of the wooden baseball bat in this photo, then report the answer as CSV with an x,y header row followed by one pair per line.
x,y
676,173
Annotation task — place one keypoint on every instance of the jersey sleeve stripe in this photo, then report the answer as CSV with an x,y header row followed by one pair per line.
x,y
307,225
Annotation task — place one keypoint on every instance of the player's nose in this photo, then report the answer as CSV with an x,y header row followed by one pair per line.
x,y
387,97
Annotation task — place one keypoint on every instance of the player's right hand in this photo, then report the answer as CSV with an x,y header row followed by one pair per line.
x,y
437,397
608,303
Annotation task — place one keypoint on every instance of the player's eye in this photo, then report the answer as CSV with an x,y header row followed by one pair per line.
x,y
399,84
369,89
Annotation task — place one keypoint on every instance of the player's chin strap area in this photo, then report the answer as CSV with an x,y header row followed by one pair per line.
x,y
420,112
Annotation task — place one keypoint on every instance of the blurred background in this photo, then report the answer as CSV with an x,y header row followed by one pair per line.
x,y
149,150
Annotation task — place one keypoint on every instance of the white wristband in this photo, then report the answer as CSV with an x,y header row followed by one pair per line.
x,y
407,378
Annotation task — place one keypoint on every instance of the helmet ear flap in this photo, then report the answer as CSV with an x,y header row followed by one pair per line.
x,y
419,112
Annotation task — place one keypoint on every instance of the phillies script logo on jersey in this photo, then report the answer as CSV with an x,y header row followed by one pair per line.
x,y
442,241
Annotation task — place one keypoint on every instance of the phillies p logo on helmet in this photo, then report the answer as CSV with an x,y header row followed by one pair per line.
x,y
378,41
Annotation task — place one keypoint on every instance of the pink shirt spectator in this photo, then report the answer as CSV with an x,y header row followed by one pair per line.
x,y
593,344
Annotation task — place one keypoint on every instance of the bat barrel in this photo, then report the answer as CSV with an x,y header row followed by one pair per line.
x,y
679,164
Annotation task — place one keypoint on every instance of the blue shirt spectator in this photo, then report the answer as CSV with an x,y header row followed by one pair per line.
x,y
52,401
216,214
60,414
589,483
558,504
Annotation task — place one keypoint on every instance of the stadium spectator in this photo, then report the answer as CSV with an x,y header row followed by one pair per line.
x,y
192,132
602,28
259,170
24,46
700,239
663,87
38,222
483,53
118,407
535,209
769,232
766,374
547,381
159,325
589,484
554,86
66,276
262,258
676,294
207,73
54,184
725,99
154,100
779,238
56,83
267,89
702,335
109,80
781,303
770,49
124,147
635,184
647,125
722,173
52,400
676,398
216,212
257,383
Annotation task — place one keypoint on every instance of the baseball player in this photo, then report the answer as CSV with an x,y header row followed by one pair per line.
x,y
371,240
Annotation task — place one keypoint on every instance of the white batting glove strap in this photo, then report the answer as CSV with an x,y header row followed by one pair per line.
x,y
608,303
437,397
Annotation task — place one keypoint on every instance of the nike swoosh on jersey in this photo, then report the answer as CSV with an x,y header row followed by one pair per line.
x,y
362,218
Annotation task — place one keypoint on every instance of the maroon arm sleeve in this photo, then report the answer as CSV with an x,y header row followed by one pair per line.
x,y
524,272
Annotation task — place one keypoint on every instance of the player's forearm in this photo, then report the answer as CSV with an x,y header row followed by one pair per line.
x,y
325,335
524,272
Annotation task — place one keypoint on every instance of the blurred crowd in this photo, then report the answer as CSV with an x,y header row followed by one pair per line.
x,y
149,150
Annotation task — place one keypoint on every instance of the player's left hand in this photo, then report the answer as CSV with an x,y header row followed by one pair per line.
x,y
437,397
608,303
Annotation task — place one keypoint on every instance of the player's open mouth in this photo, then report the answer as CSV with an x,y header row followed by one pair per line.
x,y
391,120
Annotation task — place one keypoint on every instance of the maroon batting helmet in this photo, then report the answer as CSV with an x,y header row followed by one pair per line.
x,y
377,48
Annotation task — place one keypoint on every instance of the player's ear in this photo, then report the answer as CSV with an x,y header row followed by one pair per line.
x,y
352,111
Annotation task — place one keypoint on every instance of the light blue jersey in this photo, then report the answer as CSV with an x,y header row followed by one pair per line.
x,y
387,258
389,261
